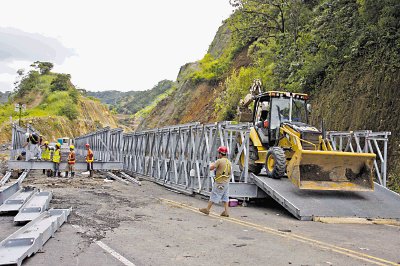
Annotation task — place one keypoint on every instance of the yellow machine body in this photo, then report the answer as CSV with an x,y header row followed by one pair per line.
x,y
311,162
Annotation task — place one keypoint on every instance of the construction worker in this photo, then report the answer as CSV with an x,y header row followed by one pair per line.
x,y
46,153
71,161
57,160
220,187
89,159
33,150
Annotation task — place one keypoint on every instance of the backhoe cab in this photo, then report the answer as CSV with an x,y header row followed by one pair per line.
x,y
282,141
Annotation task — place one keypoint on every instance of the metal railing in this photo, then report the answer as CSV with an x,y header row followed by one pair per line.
x,y
177,156
18,138
180,155
105,143
364,141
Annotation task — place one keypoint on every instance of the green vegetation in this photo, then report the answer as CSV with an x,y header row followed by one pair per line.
x,y
298,45
44,67
144,112
62,82
344,53
44,93
133,101
210,69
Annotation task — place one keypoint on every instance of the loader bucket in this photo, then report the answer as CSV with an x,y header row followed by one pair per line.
x,y
332,170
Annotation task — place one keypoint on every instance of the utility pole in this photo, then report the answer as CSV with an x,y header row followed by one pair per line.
x,y
19,107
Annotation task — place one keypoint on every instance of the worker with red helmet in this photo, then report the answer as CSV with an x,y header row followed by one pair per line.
x,y
89,159
220,189
71,161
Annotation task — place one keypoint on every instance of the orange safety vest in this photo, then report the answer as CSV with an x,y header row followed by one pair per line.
x,y
71,157
89,156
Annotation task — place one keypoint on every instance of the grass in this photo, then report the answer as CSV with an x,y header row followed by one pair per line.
x,y
143,113
51,103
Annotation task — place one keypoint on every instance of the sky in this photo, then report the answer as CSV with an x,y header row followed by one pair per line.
x,y
107,45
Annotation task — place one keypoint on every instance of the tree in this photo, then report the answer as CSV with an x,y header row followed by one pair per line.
x,y
258,18
44,67
61,83
27,83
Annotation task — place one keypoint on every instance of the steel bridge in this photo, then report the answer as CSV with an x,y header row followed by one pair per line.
x,y
178,157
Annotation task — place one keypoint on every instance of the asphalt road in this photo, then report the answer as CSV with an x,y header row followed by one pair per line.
x,y
118,224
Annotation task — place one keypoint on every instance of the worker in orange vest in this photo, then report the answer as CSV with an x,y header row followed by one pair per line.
x,y
71,161
89,159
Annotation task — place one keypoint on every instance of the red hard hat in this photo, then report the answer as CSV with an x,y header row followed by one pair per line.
x,y
223,149
87,145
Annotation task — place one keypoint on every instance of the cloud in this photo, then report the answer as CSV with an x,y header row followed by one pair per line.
x,y
4,86
19,45
4,68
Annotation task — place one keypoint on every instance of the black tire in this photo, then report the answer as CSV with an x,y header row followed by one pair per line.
x,y
253,156
275,164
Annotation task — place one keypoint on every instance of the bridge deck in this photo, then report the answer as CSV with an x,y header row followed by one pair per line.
x,y
308,204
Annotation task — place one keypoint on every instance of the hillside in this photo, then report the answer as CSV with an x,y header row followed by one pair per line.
x,y
54,107
132,101
344,53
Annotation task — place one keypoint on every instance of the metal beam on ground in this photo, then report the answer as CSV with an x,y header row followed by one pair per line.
x,y
36,205
22,177
31,238
128,177
16,201
39,165
115,177
8,191
5,178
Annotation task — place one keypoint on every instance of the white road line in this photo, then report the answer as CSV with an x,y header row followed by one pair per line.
x,y
114,254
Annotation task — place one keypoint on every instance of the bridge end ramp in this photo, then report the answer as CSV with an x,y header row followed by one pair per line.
x,y
381,203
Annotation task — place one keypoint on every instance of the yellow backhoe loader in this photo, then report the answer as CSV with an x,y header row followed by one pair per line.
x,y
282,141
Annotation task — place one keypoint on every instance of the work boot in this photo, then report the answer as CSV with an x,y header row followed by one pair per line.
x,y
66,174
224,214
44,171
91,174
72,174
59,174
205,211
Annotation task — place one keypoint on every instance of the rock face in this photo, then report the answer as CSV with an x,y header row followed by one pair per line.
x,y
362,98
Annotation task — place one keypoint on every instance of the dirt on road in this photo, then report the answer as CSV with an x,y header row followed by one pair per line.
x,y
112,223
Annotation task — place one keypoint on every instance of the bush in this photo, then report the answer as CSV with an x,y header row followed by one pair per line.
x,y
61,83
237,86
69,110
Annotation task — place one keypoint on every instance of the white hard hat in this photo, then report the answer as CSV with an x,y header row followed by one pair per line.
x,y
27,134
265,106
